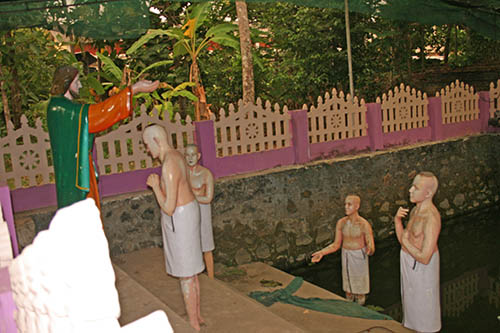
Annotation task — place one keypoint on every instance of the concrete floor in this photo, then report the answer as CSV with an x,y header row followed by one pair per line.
x,y
144,287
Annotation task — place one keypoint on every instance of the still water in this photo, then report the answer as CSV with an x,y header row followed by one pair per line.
x,y
469,248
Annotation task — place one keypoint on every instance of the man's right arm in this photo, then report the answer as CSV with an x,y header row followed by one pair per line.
x,y
317,256
398,223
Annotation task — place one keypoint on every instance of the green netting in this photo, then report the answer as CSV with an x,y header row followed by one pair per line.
x,y
114,19
98,19
333,306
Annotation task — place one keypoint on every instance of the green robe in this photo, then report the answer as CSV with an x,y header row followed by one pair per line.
x,y
71,144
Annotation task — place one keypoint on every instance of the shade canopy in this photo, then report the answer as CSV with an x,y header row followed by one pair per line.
x,y
117,19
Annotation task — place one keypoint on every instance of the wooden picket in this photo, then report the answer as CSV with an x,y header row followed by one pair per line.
x,y
337,117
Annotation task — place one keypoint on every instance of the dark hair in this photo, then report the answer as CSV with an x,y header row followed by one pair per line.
x,y
63,77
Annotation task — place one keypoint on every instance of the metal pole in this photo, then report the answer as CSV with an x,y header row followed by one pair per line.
x,y
349,56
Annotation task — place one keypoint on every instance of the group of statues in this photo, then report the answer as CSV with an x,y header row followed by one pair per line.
x,y
185,189
419,257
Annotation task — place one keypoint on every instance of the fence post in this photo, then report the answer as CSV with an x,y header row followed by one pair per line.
x,y
205,140
300,135
8,215
435,118
374,120
484,109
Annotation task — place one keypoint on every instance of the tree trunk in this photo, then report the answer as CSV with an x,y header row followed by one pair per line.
x,y
200,106
15,90
447,44
246,53
5,99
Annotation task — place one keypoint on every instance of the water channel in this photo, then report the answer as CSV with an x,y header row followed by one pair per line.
x,y
470,274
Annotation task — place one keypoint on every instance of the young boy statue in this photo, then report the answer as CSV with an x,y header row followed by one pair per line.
x,y
202,184
354,234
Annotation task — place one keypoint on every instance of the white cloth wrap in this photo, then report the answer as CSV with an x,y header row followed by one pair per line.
x,y
355,272
420,293
182,242
207,234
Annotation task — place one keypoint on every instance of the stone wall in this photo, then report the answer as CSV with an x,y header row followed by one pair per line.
x,y
283,215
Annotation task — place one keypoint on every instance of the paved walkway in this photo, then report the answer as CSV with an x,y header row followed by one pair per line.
x,y
144,287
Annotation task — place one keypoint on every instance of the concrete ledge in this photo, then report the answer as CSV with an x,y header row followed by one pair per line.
x,y
137,302
223,309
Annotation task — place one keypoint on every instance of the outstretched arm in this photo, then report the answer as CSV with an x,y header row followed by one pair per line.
x,y
118,107
317,256
144,86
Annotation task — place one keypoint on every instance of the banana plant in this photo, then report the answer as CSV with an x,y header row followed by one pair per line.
x,y
188,42
119,78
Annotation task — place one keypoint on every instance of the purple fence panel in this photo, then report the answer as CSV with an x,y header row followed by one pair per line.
x,y
374,120
7,304
407,137
34,197
205,140
460,129
300,136
436,118
484,109
332,148
237,164
125,182
8,215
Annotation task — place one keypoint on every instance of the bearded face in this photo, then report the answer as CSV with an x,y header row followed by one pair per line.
x,y
74,87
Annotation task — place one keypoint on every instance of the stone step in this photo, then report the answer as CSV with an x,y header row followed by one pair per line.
x,y
137,302
223,308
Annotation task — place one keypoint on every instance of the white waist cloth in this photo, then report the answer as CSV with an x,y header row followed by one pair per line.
x,y
355,272
181,241
207,234
420,293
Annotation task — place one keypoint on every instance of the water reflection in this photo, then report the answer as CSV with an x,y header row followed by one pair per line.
x,y
470,274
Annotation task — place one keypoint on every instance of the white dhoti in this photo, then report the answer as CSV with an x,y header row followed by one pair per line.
x,y
355,272
207,234
181,241
420,293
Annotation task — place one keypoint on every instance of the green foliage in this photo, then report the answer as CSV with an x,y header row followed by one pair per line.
x,y
28,58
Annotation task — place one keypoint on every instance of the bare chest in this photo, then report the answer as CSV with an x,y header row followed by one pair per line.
x,y
352,229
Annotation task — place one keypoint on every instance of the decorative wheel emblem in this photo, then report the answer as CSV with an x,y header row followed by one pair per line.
x,y
336,121
458,107
29,160
252,131
403,113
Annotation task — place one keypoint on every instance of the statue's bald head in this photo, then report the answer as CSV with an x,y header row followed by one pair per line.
x,y
431,181
154,136
355,199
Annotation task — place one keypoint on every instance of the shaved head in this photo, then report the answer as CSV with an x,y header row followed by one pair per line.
x,y
431,181
356,199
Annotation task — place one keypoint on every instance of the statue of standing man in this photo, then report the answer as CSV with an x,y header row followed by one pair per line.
x,y
354,235
202,184
71,131
419,257
180,219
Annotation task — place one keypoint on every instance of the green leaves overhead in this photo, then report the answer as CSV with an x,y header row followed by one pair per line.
x,y
110,68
